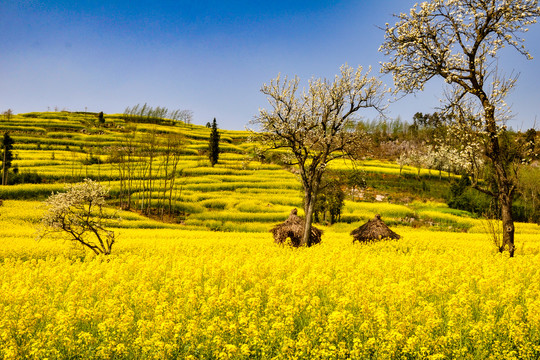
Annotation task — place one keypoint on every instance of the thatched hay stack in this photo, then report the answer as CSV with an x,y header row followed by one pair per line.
x,y
374,229
293,229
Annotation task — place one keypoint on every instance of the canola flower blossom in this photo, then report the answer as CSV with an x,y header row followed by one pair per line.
x,y
170,293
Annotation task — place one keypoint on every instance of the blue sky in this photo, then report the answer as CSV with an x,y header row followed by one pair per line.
x,y
210,57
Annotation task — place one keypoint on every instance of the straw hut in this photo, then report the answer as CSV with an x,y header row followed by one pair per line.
x,y
293,229
374,229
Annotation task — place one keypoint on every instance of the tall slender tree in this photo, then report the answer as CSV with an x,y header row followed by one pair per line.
x,y
214,144
7,156
101,118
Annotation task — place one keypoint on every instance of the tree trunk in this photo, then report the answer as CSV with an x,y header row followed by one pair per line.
x,y
505,184
505,200
308,209
311,189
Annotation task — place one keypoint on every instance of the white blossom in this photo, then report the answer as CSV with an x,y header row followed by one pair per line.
x,y
315,125
78,213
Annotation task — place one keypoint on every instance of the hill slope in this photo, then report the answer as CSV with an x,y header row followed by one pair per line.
x,y
239,194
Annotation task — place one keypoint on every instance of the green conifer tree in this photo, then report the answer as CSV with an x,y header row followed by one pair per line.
x,y
7,156
214,144
101,118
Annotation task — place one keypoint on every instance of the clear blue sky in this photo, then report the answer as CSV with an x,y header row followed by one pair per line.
x,y
210,57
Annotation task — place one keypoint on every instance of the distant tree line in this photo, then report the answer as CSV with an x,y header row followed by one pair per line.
x,y
158,115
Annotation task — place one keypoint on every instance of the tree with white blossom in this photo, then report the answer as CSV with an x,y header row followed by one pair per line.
x,y
79,214
316,125
459,41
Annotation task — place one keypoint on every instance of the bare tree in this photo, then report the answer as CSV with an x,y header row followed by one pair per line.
x,y
124,155
150,153
458,41
8,114
79,213
170,158
129,143
316,126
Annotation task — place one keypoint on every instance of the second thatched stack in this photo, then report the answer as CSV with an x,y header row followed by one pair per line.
x,y
293,229
375,229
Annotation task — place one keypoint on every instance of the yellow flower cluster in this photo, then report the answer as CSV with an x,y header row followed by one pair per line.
x,y
169,293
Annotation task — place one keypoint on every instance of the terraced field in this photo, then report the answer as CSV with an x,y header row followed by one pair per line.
x,y
239,194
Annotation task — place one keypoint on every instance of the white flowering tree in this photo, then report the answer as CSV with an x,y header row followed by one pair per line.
x,y
79,214
458,41
316,125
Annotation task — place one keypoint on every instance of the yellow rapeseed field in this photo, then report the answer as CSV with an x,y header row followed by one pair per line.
x,y
172,293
